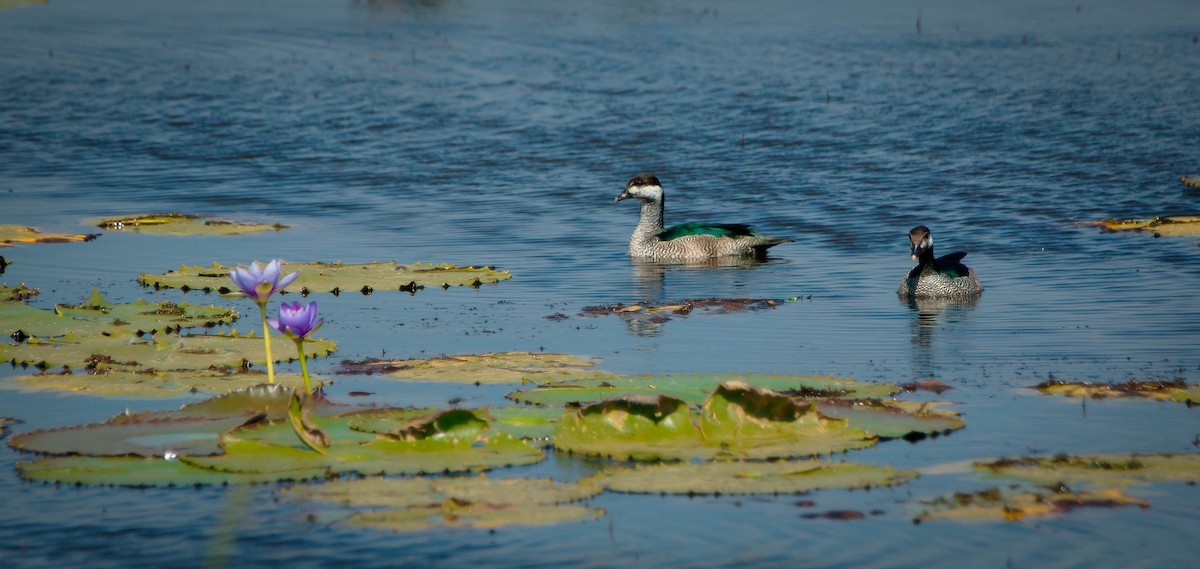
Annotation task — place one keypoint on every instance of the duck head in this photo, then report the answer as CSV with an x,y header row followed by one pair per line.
x,y
921,241
644,187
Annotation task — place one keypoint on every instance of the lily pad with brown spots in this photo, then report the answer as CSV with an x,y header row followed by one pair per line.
x,y
336,278
738,477
1104,471
10,234
502,367
1176,390
996,505
181,224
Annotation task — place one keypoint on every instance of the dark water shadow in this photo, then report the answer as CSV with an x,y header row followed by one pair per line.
x,y
928,315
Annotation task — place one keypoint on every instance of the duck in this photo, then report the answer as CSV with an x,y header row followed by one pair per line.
x,y
688,241
940,277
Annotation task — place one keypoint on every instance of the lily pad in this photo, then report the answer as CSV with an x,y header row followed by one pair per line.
x,y
181,224
1163,390
891,419
1172,225
131,352
1097,470
10,234
130,471
736,421
434,491
994,504
97,315
150,383
661,312
336,277
503,367
19,293
1192,180
456,515
693,389
737,477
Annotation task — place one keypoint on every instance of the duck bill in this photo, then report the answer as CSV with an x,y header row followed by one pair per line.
x,y
624,196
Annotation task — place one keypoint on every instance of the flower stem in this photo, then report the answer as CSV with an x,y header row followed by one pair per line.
x,y
267,342
303,365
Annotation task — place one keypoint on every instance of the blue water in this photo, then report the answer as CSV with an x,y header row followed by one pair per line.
x,y
500,132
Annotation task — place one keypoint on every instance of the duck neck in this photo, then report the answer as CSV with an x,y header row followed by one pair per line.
x,y
925,259
650,224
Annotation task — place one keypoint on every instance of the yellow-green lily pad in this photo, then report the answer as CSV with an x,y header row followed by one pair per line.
x,y
472,516
150,383
503,367
129,351
1163,390
892,419
336,277
1097,470
996,505
433,491
96,315
181,224
10,234
738,477
693,389
131,471
1171,225
19,293
736,421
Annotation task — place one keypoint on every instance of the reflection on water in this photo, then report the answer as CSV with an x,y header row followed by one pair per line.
x,y
928,315
650,277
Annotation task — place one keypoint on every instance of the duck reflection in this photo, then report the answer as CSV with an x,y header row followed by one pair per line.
x,y
929,314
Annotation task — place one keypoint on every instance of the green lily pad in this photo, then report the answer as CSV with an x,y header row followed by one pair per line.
x,y
994,504
1097,470
336,277
503,367
151,383
737,477
693,389
129,471
434,491
181,224
1163,390
891,419
96,315
736,421
451,514
537,423
128,351
10,234
1172,225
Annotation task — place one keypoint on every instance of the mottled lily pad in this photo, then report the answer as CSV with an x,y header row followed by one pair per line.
x,y
433,491
737,477
503,367
336,277
1163,390
130,471
181,224
10,234
96,315
1192,180
662,311
693,389
131,352
1172,225
150,383
994,504
736,421
458,515
19,293
891,419
1097,470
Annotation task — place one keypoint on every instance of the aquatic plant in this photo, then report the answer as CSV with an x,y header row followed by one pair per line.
x,y
181,224
297,322
258,284
336,278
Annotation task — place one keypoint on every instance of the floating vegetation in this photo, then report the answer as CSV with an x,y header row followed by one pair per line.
x,y
890,419
96,315
10,234
4,423
1097,470
1163,390
130,351
181,224
336,278
1192,180
737,477
19,293
503,367
243,438
994,504
661,312
104,381
693,389
416,504
1172,225
736,421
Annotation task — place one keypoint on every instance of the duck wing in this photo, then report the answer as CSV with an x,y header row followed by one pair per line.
x,y
714,229
951,265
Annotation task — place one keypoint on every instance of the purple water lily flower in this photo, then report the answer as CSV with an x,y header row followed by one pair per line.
x,y
259,283
297,321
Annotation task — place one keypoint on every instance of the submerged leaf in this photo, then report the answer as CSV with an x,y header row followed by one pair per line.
x,y
1097,470
737,477
337,277
503,367
181,224
10,234
994,504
